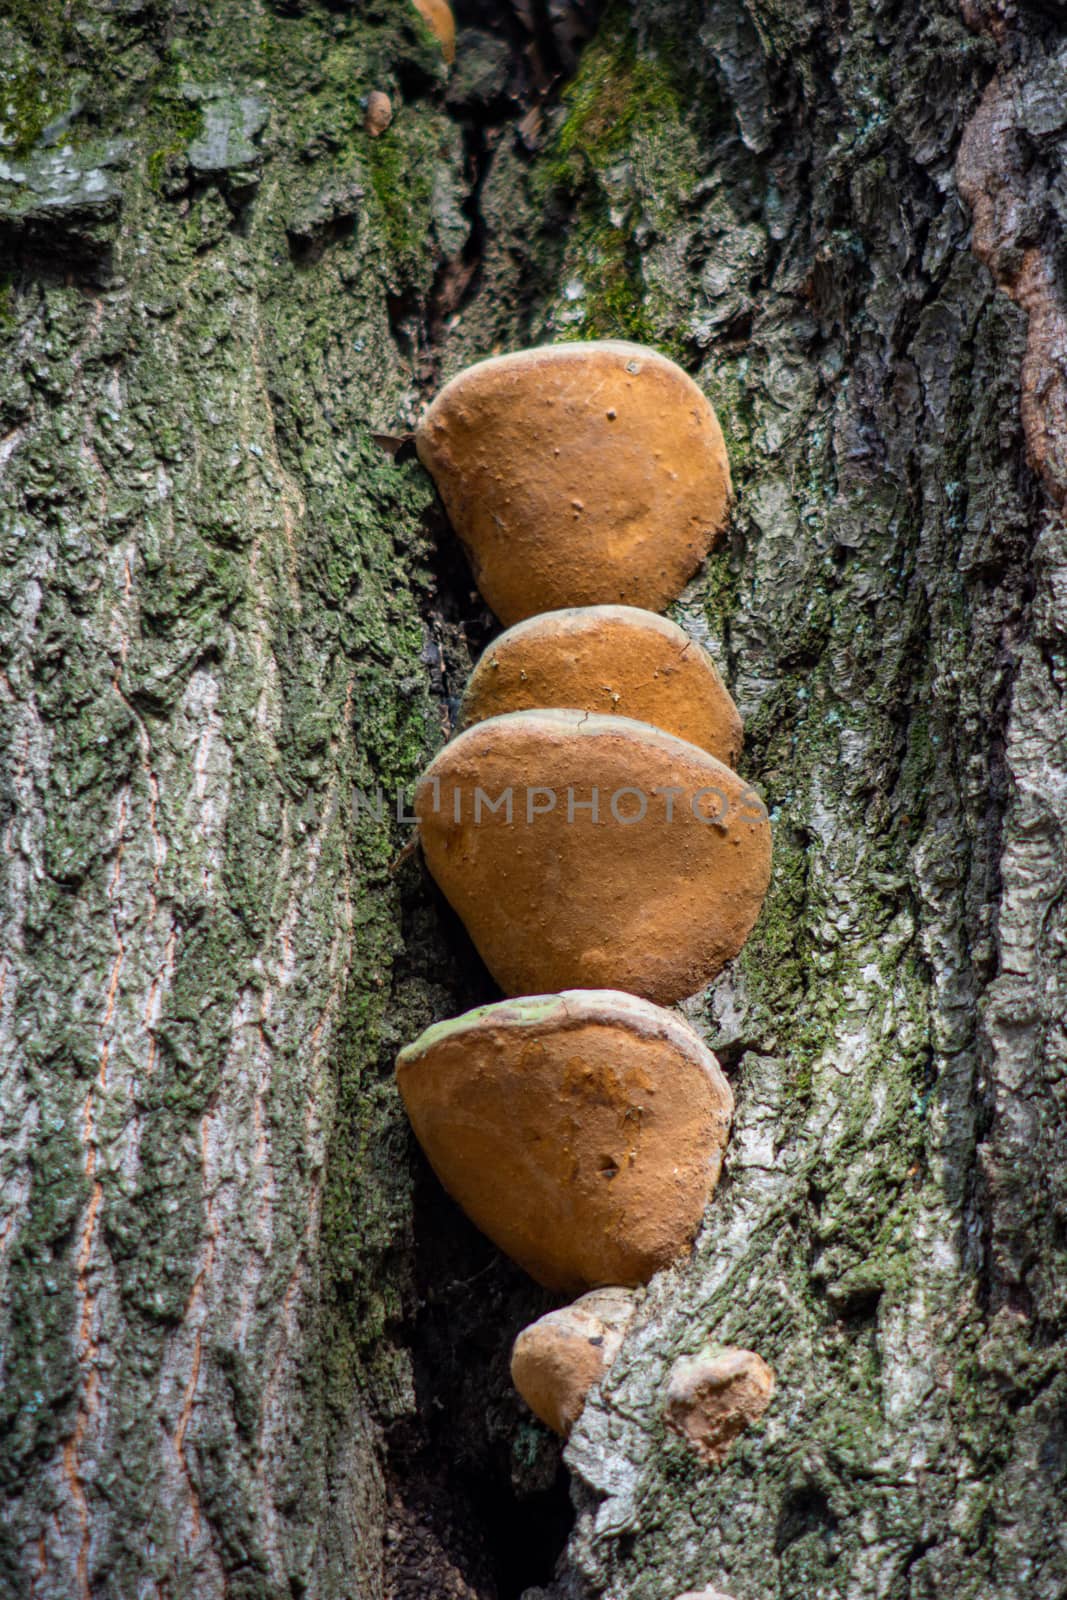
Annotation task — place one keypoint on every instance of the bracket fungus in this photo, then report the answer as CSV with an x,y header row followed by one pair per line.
x,y
714,1396
578,474
588,828
705,1594
616,660
583,1132
437,15
594,852
560,1357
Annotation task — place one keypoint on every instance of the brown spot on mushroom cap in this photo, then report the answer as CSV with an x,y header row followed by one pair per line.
x,y
556,898
557,1359
578,474
379,113
616,660
583,1132
439,19
714,1396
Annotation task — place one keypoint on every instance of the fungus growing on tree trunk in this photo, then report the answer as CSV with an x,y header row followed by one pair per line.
x,y
558,1359
616,660
437,15
714,1396
583,1132
594,852
379,113
578,474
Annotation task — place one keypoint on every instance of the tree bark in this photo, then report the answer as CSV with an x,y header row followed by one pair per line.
x,y
249,1349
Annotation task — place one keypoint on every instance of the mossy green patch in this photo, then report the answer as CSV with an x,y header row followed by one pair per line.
x,y
719,589
175,123
41,52
618,95
533,1010
401,168
32,77
623,164
613,304
27,105
726,386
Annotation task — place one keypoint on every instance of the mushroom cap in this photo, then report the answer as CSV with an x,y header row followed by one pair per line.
x,y
437,15
705,1594
616,660
583,1132
655,902
714,1396
557,1359
578,474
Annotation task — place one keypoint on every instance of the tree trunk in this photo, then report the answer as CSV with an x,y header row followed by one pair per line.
x,y
249,1348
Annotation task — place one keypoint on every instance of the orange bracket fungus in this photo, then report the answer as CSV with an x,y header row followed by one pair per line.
x,y
437,15
560,1357
616,660
583,1132
594,852
578,474
588,827
714,1396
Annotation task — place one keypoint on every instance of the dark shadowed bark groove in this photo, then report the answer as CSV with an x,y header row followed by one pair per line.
x,y
248,1348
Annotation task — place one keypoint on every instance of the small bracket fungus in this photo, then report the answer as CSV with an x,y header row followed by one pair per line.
x,y
558,1359
594,852
616,660
578,474
379,113
714,1396
583,1132
438,17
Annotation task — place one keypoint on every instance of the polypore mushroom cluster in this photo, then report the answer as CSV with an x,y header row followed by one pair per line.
x,y
588,826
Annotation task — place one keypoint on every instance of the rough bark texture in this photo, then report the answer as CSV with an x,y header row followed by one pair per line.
x,y
248,1348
